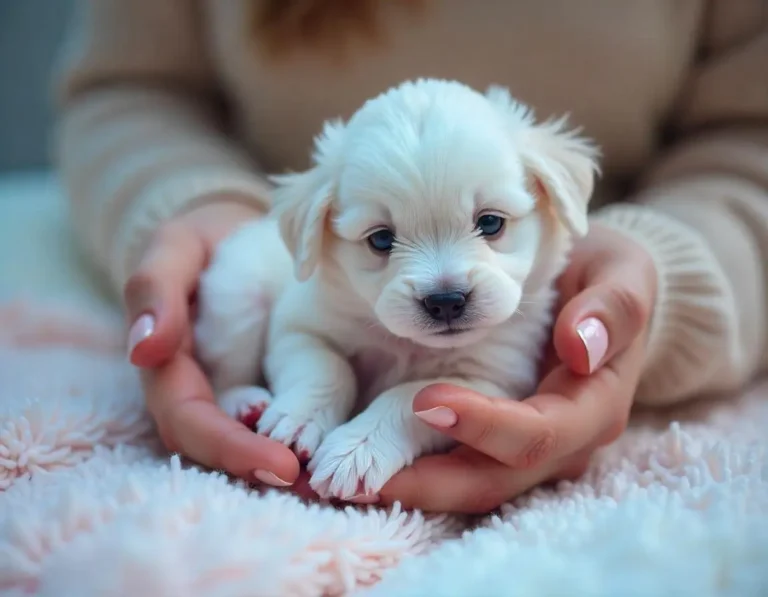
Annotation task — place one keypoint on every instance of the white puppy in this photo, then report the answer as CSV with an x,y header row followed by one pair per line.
x,y
426,238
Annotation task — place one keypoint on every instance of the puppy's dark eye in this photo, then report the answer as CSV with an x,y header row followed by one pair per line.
x,y
490,225
381,241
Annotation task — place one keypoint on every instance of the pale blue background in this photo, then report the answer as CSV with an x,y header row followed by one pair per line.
x,y
31,32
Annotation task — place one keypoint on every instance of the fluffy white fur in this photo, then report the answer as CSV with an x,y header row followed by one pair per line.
x,y
349,335
90,507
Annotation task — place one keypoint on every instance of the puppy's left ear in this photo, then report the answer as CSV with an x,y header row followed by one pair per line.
x,y
562,166
302,202
560,163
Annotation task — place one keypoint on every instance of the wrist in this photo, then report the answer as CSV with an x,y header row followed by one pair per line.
x,y
172,197
635,248
215,221
689,325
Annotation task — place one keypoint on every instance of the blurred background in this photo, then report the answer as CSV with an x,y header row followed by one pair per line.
x,y
34,223
31,33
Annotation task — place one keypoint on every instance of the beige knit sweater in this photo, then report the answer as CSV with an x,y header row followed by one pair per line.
x,y
141,139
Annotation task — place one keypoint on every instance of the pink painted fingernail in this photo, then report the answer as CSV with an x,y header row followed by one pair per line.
x,y
440,416
270,478
595,338
364,498
141,329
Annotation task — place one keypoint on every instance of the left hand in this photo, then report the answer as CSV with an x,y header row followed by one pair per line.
x,y
599,338
159,301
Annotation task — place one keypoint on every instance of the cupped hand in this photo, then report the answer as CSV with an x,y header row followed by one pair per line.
x,y
159,300
608,293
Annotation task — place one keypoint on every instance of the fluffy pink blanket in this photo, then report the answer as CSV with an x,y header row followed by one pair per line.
x,y
90,506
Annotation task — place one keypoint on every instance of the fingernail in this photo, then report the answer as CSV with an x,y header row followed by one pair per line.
x,y
440,416
141,329
595,338
270,479
365,498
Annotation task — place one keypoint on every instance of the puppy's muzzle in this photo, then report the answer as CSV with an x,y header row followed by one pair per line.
x,y
445,306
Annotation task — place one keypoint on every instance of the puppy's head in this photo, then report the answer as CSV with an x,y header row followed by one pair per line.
x,y
440,205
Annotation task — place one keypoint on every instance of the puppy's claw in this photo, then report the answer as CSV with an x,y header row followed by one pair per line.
x,y
321,489
245,403
302,434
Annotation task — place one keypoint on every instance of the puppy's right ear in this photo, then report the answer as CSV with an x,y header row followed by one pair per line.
x,y
302,202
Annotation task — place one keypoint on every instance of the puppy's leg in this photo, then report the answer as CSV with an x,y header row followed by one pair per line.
x,y
250,268
314,391
363,454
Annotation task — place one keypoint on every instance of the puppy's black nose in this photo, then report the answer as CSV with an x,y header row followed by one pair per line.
x,y
445,306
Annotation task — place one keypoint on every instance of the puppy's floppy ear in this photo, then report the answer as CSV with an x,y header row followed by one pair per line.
x,y
302,202
561,164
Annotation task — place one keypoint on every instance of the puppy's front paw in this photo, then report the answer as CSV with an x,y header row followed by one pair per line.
x,y
300,426
349,463
245,403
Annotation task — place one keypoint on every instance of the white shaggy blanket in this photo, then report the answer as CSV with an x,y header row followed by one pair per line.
x,y
90,506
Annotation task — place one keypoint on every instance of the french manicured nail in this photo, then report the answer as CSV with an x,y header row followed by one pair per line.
x,y
595,338
440,416
364,498
141,329
270,479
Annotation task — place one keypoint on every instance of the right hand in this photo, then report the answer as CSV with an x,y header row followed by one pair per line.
x,y
158,297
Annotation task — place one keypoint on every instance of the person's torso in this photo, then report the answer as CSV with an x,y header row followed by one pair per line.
x,y
617,67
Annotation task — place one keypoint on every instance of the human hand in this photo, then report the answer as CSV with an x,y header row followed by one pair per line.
x,y
159,301
608,292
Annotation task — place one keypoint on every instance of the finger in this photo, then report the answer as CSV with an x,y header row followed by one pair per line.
x,y
181,398
510,432
603,319
583,412
462,481
157,295
567,414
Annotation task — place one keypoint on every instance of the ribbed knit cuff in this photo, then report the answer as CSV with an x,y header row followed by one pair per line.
x,y
694,317
172,196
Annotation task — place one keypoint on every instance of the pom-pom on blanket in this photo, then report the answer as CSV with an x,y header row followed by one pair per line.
x,y
91,506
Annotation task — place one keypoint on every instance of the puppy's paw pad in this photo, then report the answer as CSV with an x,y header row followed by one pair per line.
x,y
245,403
344,470
297,431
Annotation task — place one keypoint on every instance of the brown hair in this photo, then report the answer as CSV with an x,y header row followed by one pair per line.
x,y
328,26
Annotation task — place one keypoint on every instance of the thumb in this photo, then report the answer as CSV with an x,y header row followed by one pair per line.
x,y
604,319
157,295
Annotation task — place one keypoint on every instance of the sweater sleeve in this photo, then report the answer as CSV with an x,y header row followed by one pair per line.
x,y
139,136
702,212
